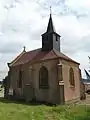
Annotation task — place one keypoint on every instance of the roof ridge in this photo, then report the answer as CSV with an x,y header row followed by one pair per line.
x,y
38,53
20,55
55,52
68,58
33,50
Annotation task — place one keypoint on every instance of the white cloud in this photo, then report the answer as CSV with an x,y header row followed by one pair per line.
x,y
78,3
23,21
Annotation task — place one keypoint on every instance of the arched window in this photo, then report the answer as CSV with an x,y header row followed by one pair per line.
x,y
71,75
43,78
19,84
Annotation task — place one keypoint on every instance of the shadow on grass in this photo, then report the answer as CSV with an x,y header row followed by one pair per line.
x,y
31,103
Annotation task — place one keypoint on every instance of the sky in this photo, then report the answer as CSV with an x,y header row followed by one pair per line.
x,y
23,21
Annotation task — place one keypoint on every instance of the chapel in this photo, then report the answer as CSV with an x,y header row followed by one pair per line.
x,y
44,74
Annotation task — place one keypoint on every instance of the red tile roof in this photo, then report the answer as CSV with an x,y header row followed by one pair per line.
x,y
37,55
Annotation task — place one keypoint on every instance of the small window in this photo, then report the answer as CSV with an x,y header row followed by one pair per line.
x,y
56,38
71,75
61,77
43,78
19,84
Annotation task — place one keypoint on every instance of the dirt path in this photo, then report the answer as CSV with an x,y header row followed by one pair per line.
x,y
86,101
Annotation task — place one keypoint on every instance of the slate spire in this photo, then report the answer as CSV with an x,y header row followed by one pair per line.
x,y
50,27
50,39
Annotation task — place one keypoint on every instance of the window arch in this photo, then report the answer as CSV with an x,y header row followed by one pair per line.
x,y
19,84
71,75
43,78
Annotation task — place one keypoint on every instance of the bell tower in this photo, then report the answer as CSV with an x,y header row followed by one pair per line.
x,y
50,39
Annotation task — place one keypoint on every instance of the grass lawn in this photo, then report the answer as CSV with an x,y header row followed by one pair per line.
x,y
17,111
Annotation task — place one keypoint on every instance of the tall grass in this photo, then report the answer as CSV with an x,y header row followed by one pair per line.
x,y
18,111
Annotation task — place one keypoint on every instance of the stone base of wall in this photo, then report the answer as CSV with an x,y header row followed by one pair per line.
x,y
73,101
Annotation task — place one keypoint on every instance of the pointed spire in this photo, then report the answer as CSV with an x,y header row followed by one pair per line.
x,y
50,27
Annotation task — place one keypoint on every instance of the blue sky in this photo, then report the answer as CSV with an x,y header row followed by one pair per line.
x,y
23,21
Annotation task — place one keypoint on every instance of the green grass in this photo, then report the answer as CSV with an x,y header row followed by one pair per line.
x,y
17,111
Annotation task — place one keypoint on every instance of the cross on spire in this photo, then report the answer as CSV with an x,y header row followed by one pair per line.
x,y
50,10
50,27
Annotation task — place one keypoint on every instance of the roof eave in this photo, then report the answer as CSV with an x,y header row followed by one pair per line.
x,y
15,60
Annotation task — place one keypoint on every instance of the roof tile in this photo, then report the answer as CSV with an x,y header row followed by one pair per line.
x,y
38,54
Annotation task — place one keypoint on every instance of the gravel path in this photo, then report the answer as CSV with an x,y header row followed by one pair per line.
x,y
86,101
